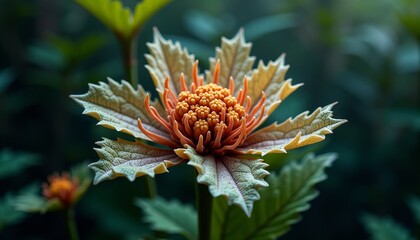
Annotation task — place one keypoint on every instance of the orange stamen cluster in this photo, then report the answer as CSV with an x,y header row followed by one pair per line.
x,y
61,187
206,117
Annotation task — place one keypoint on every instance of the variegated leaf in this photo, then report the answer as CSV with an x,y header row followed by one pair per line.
x,y
120,19
235,177
270,79
130,159
168,59
118,105
234,61
293,133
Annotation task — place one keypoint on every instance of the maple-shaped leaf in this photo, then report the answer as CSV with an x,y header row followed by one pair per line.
x,y
131,160
280,205
120,19
270,79
302,130
168,59
234,59
118,106
235,177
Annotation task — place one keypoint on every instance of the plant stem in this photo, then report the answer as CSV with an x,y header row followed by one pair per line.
x,y
129,54
71,224
129,57
204,205
150,187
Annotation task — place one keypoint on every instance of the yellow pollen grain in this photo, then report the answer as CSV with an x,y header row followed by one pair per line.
x,y
182,107
217,105
201,127
213,119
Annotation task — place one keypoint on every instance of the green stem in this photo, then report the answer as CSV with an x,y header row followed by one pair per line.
x,y
129,57
129,54
150,187
204,205
71,224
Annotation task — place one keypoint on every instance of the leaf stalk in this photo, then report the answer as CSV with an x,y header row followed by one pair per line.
x,y
204,206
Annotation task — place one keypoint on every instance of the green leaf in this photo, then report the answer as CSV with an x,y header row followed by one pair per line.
x,y
29,200
170,216
12,163
414,203
234,61
118,106
7,76
120,19
269,24
8,214
235,177
293,133
281,203
383,228
130,159
168,59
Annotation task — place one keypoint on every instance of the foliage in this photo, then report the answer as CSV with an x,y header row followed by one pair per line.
x,y
414,204
281,203
120,19
170,216
385,228
12,163
8,214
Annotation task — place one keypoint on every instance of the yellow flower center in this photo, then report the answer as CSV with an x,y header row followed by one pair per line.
x,y
61,187
206,117
207,109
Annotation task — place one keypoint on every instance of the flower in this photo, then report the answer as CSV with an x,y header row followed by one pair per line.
x,y
209,120
206,117
62,188
59,192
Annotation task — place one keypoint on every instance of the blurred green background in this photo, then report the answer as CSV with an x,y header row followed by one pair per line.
x,y
363,54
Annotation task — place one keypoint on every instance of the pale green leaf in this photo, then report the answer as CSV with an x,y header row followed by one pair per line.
x,y
382,228
270,79
118,106
29,200
414,203
131,160
234,61
235,177
8,215
280,205
293,133
170,216
12,163
121,19
168,59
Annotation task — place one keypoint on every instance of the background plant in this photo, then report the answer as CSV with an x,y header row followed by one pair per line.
x,y
338,48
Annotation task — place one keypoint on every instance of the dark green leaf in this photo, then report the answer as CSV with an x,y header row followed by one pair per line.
x,y
12,163
170,216
414,203
383,228
280,204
